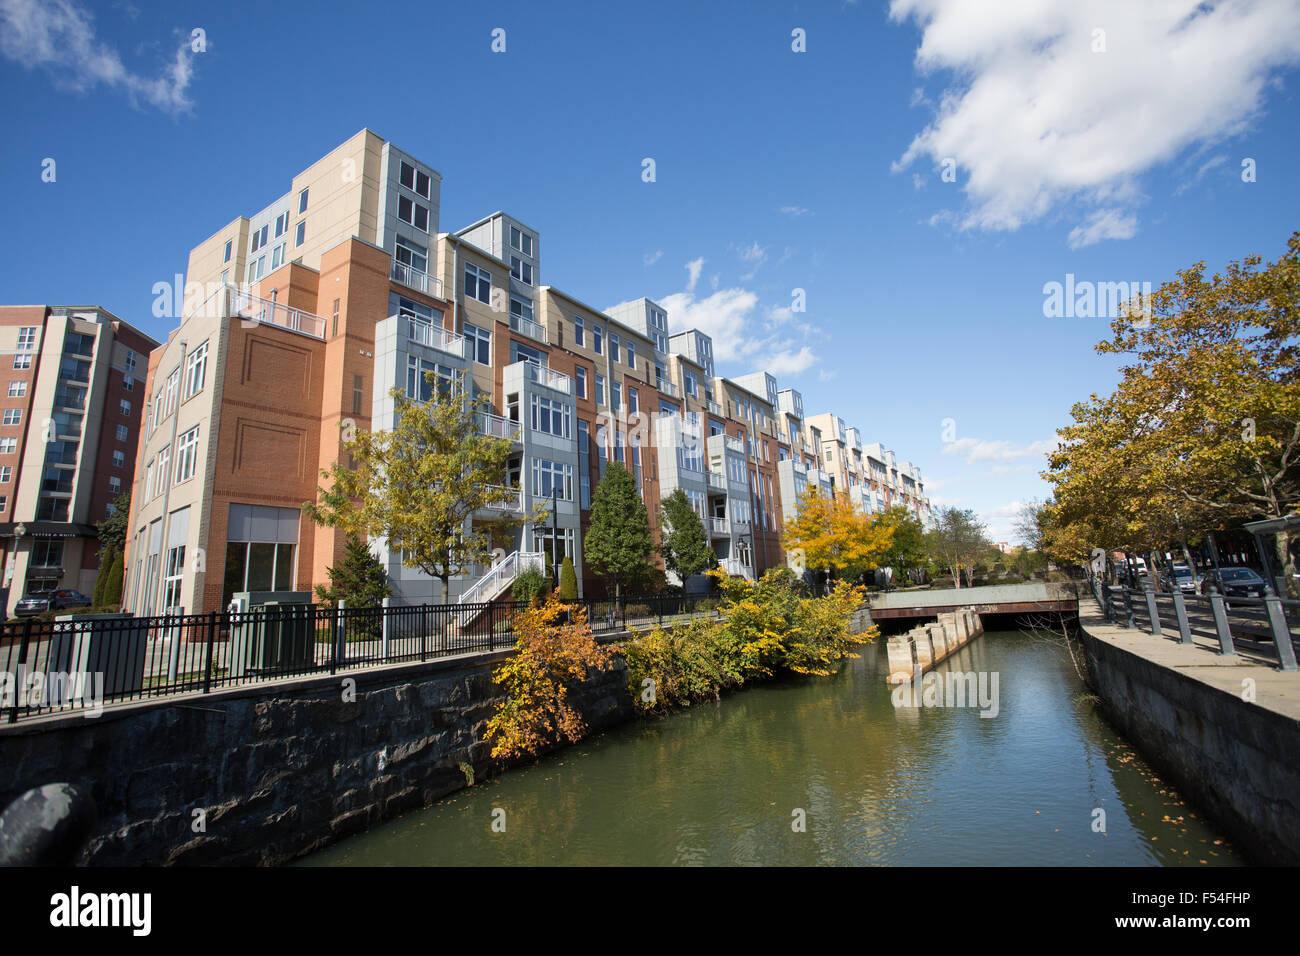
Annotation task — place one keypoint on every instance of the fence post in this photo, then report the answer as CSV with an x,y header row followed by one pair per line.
x,y
20,673
173,646
424,634
1152,611
212,639
383,625
1281,633
492,627
660,600
1180,612
1221,625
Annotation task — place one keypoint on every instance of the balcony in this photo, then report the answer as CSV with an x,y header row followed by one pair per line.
x,y
505,499
528,327
714,408
498,427
718,527
716,481
668,388
435,336
413,278
252,308
735,567
734,444
548,377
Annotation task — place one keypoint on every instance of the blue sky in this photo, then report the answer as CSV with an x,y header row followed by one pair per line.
x,y
1112,156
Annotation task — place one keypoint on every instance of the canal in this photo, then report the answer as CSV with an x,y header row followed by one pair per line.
x,y
723,784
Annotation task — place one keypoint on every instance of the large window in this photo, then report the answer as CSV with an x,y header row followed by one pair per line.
x,y
521,241
27,338
479,344
418,385
260,549
596,343
412,254
521,309
550,417
173,387
478,283
302,202
580,376
412,213
577,330
552,475
187,451
196,366
414,180
521,270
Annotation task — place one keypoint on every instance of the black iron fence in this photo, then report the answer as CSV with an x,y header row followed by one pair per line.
x,y
90,660
1266,628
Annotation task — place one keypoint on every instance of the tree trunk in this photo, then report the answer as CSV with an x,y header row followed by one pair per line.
x,y
1286,562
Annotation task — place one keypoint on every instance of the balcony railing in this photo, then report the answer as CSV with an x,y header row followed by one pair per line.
x,y
528,327
719,526
735,566
506,499
714,408
548,377
415,279
435,336
735,444
668,388
498,427
717,481
254,308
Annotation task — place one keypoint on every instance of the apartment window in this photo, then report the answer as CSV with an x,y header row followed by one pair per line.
x,y
13,416
17,389
412,213
8,446
414,180
418,385
412,255
521,241
521,309
580,375
478,283
196,367
225,277
281,224
22,361
27,338
6,473
550,417
173,386
334,328
300,234
480,344
226,256
119,459
631,399
613,347
358,393
521,270
615,395
600,389
302,202
689,378
596,343
122,433
115,484
187,451
631,355
277,256
551,476
148,481
577,330
128,383
125,408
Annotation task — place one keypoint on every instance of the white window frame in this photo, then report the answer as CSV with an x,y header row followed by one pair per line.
x,y
187,446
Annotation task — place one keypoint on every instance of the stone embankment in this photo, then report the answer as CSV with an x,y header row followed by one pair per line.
x,y
924,646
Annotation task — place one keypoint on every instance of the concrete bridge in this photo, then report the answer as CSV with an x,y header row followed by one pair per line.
x,y
1034,598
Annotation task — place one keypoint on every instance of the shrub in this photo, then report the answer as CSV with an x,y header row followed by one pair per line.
x,y
531,586
568,580
555,653
638,610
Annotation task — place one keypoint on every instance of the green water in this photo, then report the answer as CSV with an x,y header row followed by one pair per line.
x,y
721,784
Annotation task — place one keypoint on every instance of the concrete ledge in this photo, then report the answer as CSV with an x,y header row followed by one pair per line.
x,y
1183,707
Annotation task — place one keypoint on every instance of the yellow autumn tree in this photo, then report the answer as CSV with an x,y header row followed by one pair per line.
x,y
832,535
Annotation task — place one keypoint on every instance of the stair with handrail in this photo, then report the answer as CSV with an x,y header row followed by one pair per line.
x,y
493,584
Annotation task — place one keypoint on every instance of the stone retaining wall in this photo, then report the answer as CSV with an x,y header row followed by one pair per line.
x,y
924,646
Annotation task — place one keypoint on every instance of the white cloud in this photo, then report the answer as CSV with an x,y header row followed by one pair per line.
x,y
740,331
650,258
975,450
59,36
756,255
1103,224
826,374
1036,120
794,212
693,268
786,362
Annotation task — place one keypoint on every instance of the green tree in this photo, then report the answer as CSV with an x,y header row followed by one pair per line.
x,y
684,542
113,530
568,580
418,485
618,544
113,586
359,579
907,546
957,543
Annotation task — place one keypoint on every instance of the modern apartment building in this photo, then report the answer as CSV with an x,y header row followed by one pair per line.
x,y
343,289
70,423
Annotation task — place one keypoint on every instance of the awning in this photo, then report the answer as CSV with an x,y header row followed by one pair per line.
x,y
1289,522
49,529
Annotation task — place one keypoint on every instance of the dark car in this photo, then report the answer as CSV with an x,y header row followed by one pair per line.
x,y
1233,582
32,604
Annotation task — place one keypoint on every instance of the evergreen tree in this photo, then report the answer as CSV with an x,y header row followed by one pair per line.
x,y
113,586
359,580
685,544
618,543
568,580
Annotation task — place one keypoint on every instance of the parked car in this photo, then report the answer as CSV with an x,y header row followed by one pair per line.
x,y
61,600
1233,582
1181,577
